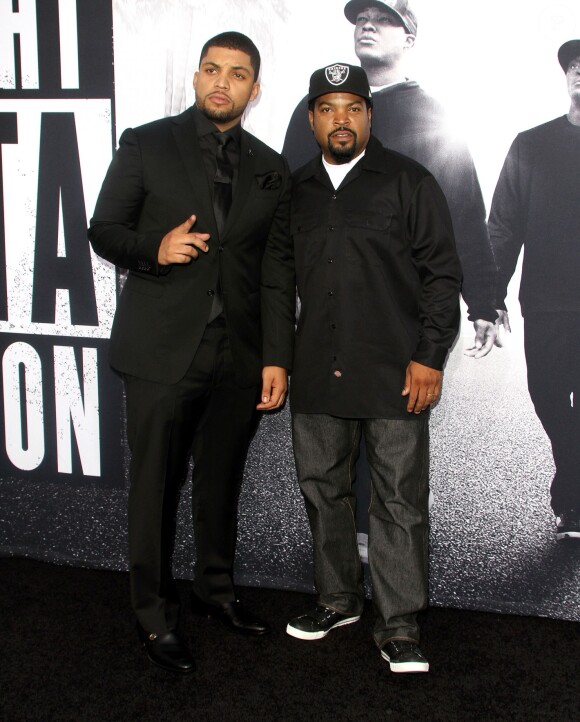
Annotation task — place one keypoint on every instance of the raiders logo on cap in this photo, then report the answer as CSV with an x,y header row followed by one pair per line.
x,y
340,78
336,74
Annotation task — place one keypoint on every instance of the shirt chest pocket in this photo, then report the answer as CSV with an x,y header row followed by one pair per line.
x,y
307,237
368,236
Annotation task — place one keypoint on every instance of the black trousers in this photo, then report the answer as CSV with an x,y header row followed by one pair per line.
x,y
552,345
208,415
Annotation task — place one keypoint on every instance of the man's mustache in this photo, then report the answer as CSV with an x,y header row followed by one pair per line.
x,y
342,129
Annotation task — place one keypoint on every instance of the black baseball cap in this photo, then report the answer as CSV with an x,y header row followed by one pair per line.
x,y
400,8
340,78
568,52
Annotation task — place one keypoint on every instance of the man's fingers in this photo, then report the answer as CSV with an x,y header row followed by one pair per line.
x,y
186,225
274,388
184,253
412,400
487,346
407,387
199,240
275,400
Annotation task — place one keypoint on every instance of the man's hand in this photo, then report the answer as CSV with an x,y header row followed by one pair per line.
x,y
422,386
504,320
274,388
487,335
181,246
485,338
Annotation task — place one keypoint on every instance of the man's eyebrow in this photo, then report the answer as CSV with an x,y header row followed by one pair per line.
x,y
234,67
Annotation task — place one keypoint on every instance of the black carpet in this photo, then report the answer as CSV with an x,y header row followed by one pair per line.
x,y
68,651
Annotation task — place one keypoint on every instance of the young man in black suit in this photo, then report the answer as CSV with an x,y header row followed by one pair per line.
x,y
197,210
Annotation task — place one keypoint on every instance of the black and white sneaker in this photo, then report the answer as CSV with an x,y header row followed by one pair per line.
x,y
318,623
404,656
568,525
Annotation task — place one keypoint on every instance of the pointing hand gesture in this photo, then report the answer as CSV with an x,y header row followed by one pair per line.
x,y
180,245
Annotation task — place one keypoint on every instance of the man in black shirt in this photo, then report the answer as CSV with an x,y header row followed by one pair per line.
x,y
536,205
378,279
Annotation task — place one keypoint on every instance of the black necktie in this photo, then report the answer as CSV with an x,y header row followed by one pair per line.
x,y
222,200
222,183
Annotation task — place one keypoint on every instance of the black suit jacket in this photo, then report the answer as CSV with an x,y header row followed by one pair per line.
x,y
155,181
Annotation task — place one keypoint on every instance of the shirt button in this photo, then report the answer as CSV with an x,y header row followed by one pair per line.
x,y
331,293
334,358
333,326
334,197
210,292
330,228
331,260
220,249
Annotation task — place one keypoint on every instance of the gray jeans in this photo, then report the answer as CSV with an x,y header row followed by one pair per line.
x,y
326,449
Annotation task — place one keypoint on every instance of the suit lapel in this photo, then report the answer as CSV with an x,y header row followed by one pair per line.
x,y
186,139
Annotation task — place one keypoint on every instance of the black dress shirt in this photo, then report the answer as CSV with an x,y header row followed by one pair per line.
x,y
378,278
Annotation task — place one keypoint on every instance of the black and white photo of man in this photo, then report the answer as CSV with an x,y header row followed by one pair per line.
x,y
535,205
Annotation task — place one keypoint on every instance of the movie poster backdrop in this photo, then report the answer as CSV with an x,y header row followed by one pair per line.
x,y
73,75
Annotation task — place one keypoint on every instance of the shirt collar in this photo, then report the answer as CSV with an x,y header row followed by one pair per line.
x,y
204,126
371,160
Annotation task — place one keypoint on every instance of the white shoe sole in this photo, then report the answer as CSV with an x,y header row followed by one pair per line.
x,y
568,535
405,666
300,634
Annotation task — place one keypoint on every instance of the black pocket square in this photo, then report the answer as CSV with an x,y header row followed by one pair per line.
x,y
269,181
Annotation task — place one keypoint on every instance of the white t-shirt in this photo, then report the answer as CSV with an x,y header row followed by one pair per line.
x,y
338,172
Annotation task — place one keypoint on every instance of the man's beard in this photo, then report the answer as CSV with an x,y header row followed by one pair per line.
x,y
343,153
225,115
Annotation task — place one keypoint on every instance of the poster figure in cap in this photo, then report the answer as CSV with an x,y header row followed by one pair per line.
x,y
378,278
407,120
536,205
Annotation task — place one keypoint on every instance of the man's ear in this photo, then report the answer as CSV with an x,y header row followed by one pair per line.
x,y
255,91
195,76
311,119
410,40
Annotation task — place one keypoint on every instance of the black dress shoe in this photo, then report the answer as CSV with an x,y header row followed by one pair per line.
x,y
168,651
232,615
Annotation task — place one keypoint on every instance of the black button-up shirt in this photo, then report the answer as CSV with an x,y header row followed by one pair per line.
x,y
378,278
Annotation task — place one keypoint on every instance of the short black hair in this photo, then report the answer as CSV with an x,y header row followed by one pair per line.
x,y
234,41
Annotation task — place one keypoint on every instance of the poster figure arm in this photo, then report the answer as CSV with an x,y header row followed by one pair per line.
x,y
454,169
506,227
